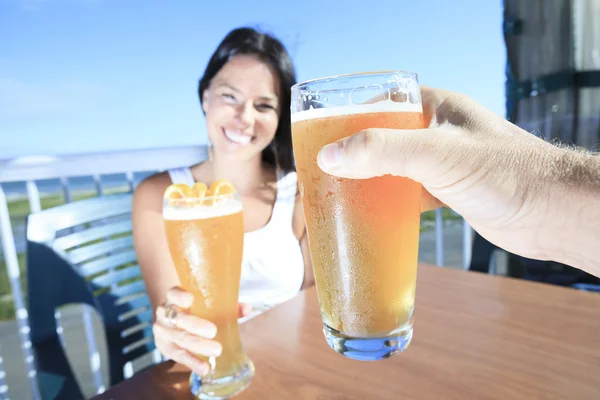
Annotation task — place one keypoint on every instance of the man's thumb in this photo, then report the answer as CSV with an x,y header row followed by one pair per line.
x,y
373,152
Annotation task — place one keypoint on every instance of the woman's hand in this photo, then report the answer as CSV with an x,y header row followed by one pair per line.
x,y
183,337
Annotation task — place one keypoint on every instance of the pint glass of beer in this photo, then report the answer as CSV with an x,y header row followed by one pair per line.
x,y
363,234
205,234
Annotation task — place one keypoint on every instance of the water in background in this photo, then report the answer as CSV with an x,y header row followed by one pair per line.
x,y
79,183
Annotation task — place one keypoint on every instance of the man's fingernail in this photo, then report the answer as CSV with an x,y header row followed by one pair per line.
x,y
331,155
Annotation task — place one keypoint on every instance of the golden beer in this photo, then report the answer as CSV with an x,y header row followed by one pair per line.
x,y
206,237
363,234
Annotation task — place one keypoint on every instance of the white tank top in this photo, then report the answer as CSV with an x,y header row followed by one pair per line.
x,y
272,266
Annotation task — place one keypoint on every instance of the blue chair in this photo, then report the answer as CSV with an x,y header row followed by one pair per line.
x,y
82,252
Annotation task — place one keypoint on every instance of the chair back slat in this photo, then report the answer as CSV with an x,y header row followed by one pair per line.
x,y
108,263
141,348
126,316
140,316
144,326
114,277
128,289
134,304
89,235
136,345
45,224
85,253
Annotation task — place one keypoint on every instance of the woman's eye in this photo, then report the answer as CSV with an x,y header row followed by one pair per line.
x,y
228,96
265,107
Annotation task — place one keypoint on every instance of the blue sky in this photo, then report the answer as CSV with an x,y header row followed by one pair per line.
x,y
82,76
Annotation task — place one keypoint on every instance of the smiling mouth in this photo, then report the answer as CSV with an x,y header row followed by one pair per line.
x,y
237,137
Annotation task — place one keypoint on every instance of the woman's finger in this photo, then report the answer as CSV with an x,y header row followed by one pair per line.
x,y
244,309
187,341
190,323
182,356
179,297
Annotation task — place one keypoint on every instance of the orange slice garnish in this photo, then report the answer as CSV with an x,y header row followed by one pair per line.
x,y
199,190
220,188
177,191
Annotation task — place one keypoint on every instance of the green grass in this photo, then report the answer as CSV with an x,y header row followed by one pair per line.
x,y
7,308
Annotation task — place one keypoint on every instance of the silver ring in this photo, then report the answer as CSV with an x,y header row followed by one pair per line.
x,y
171,315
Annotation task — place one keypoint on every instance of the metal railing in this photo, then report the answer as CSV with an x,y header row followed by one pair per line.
x,y
32,170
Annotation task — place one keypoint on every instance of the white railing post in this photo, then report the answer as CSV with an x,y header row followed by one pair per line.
x,y
467,244
14,274
64,183
130,181
3,385
98,184
33,196
439,238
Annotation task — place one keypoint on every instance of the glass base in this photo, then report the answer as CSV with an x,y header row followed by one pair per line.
x,y
222,388
368,349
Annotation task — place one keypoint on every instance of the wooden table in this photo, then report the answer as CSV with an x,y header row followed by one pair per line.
x,y
476,337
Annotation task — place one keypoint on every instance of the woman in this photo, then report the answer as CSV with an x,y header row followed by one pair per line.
x,y
245,96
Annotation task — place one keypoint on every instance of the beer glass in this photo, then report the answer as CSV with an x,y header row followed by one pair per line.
x,y
205,235
363,234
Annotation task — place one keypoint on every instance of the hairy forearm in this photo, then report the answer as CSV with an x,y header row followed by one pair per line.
x,y
575,215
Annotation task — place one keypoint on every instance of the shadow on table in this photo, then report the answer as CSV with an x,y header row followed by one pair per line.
x,y
169,381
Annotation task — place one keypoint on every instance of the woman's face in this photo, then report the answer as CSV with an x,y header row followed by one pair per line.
x,y
242,107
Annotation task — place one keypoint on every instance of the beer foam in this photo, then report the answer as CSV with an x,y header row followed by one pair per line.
x,y
190,212
382,106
